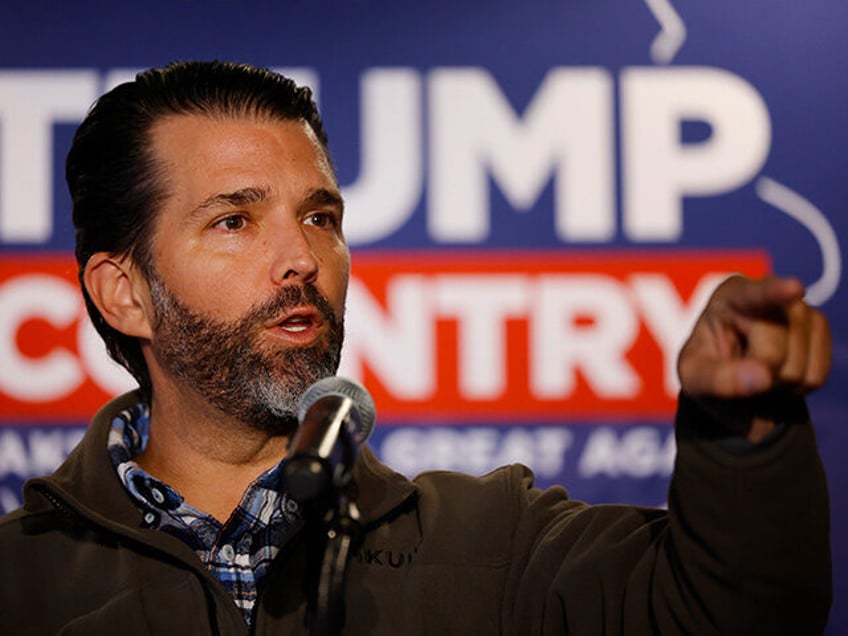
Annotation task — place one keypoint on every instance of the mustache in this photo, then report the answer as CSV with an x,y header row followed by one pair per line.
x,y
287,298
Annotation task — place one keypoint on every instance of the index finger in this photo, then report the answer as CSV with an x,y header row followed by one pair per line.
x,y
760,296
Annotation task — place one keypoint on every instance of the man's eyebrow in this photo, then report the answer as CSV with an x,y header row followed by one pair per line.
x,y
322,198
242,196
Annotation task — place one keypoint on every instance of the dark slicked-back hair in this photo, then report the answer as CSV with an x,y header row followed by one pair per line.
x,y
115,182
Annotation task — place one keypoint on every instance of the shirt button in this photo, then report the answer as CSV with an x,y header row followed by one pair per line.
x,y
158,497
228,553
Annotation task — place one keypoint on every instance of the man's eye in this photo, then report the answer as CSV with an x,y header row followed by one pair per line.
x,y
232,223
321,219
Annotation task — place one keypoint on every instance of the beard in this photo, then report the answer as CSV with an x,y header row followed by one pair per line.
x,y
224,362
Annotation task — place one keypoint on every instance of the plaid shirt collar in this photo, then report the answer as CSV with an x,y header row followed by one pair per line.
x,y
238,552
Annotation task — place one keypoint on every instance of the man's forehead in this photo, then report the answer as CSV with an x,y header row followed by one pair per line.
x,y
186,123
208,163
187,138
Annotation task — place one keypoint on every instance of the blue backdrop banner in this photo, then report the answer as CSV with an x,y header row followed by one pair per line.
x,y
540,197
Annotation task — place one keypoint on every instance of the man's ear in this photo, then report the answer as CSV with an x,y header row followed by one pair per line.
x,y
119,290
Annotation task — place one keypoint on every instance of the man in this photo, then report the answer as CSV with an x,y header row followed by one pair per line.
x,y
213,263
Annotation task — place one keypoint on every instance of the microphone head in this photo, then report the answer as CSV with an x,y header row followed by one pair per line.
x,y
363,404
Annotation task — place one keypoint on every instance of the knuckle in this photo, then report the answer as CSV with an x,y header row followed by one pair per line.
x,y
772,353
793,374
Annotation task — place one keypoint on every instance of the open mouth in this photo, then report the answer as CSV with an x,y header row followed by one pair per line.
x,y
297,324
300,325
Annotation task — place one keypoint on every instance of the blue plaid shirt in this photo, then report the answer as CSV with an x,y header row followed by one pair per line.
x,y
238,552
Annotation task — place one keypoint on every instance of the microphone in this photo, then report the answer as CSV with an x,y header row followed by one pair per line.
x,y
336,416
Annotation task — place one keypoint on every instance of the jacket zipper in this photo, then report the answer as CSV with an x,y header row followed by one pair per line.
x,y
53,499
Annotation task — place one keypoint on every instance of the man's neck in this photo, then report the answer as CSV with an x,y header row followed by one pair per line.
x,y
209,458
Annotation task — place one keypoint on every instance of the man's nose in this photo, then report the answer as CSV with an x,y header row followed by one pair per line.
x,y
294,258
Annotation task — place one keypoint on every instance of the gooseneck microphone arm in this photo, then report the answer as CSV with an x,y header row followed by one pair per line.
x,y
336,416
343,536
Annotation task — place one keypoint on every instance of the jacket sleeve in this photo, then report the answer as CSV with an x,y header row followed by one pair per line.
x,y
743,548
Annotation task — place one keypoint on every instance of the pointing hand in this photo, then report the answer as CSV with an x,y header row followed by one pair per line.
x,y
756,342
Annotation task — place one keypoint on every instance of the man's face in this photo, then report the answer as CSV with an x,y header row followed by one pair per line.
x,y
251,267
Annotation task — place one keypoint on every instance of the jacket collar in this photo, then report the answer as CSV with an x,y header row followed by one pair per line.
x,y
88,483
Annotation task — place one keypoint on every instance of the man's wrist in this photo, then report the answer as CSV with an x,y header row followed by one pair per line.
x,y
741,426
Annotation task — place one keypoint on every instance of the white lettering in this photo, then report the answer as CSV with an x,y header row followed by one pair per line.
x,y
13,455
578,325
476,450
48,449
669,319
658,169
482,305
561,344
55,374
30,103
37,453
564,135
396,343
638,452
474,134
389,184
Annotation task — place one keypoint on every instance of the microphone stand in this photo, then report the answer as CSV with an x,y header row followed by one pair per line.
x,y
343,536
335,417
